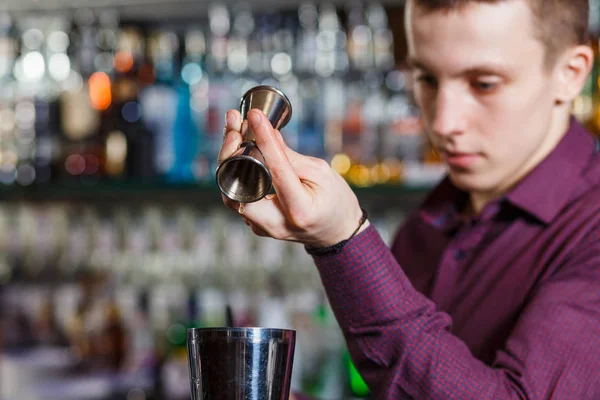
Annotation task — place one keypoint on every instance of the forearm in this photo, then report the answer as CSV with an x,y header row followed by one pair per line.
x,y
398,340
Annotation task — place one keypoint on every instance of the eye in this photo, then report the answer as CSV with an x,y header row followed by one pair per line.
x,y
427,80
485,86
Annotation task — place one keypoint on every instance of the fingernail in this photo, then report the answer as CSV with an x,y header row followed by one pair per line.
x,y
231,119
254,119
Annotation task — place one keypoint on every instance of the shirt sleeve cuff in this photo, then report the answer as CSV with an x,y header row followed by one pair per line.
x,y
354,255
365,234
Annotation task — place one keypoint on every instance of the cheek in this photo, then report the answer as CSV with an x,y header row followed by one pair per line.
x,y
518,118
525,99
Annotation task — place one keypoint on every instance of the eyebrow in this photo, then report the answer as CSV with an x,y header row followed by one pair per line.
x,y
414,63
481,69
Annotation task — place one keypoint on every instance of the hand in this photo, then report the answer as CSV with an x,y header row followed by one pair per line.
x,y
313,204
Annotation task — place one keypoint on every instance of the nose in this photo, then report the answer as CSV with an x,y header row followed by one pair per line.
x,y
449,116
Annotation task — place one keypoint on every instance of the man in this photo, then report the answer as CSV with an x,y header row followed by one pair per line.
x,y
492,287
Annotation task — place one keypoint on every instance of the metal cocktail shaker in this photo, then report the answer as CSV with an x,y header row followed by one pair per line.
x,y
244,177
240,363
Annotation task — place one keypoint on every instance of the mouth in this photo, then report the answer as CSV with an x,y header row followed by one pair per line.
x,y
460,160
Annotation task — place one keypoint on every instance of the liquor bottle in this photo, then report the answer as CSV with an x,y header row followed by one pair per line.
x,y
195,80
586,106
8,52
33,84
83,97
311,139
220,76
109,339
328,39
129,145
306,39
159,99
47,329
360,38
328,377
47,140
7,47
353,123
357,386
383,38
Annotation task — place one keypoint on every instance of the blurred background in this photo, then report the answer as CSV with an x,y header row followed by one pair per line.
x,y
113,237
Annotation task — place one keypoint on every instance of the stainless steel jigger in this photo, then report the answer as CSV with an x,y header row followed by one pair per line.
x,y
244,176
240,363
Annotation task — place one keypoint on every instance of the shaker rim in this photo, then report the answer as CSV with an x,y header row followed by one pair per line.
x,y
252,333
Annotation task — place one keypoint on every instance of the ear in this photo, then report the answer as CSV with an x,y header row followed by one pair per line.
x,y
573,69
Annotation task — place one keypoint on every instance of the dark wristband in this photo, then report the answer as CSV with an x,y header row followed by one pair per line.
x,y
336,248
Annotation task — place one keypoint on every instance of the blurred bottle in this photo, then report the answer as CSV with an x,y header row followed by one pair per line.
x,y
306,39
185,135
47,141
194,79
83,97
586,106
129,145
357,386
224,61
111,345
311,138
8,53
360,38
77,329
158,97
383,38
352,130
32,86
328,377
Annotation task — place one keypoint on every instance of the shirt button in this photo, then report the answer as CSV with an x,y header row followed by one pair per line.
x,y
460,255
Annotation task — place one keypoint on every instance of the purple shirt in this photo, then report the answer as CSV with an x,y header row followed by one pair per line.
x,y
503,306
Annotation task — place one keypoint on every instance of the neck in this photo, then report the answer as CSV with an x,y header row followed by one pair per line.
x,y
557,129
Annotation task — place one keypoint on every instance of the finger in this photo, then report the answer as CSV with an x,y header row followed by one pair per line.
x,y
232,142
285,179
231,135
233,121
257,230
234,205
267,218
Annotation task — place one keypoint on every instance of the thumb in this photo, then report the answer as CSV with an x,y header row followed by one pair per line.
x,y
285,179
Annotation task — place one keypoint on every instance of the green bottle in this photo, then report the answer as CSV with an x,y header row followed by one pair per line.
x,y
358,386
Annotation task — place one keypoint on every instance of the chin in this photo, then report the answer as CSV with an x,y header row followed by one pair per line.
x,y
470,181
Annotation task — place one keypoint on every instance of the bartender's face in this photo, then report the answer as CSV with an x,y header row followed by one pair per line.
x,y
484,91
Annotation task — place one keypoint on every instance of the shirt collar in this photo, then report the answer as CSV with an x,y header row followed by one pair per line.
x,y
546,190
442,206
542,193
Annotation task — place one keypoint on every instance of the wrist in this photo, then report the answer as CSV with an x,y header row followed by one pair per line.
x,y
363,223
346,229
